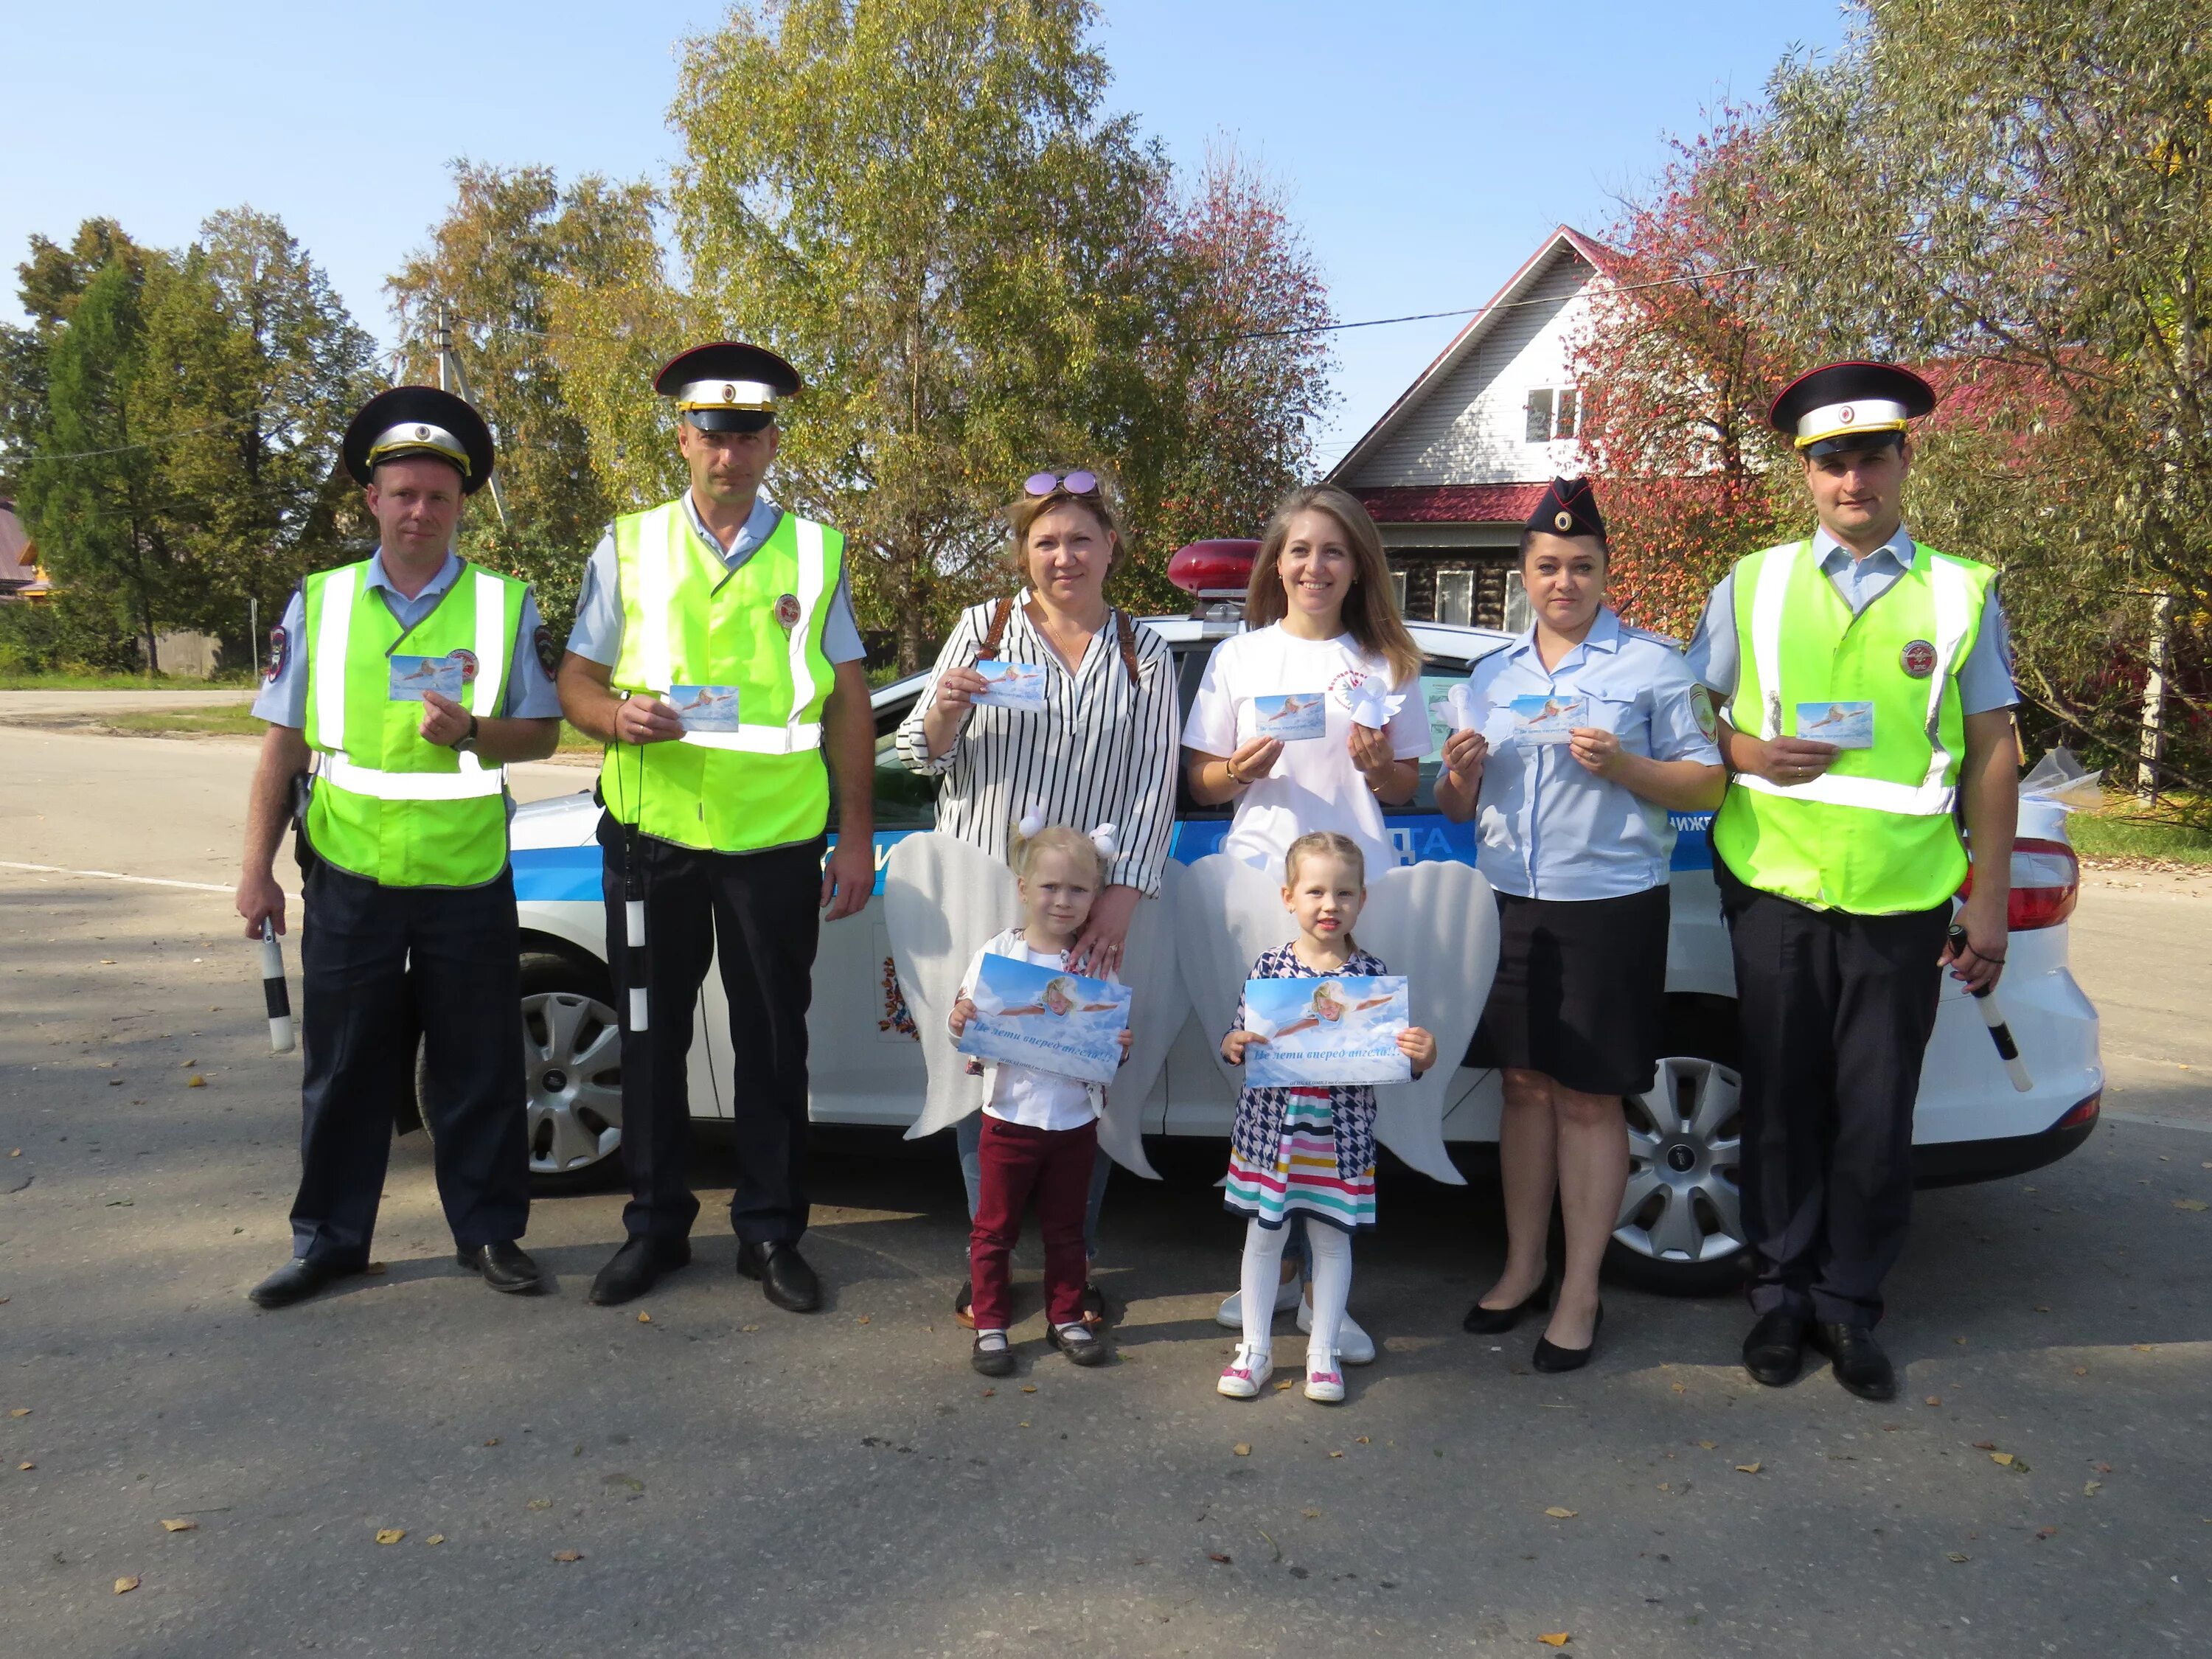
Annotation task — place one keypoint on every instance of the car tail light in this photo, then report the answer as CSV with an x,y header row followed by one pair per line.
x,y
2081,1112
2047,879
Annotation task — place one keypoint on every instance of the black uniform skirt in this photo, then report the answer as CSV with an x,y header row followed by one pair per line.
x,y
1579,990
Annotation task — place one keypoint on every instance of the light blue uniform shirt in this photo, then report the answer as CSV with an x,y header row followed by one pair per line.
x,y
1984,679
597,636
1546,827
283,697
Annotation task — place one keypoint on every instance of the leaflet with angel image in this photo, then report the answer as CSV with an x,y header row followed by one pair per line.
x,y
1046,1018
1342,1028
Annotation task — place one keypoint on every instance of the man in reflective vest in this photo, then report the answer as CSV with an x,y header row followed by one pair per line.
x,y
1866,693
716,656
410,680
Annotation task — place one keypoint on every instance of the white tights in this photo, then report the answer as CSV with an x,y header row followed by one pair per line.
x,y
1263,1269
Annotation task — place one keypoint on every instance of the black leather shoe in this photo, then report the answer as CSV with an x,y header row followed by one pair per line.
x,y
1858,1361
1493,1322
1774,1352
637,1268
785,1280
296,1281
504,1266
1550,1357
993,1362
1083,1348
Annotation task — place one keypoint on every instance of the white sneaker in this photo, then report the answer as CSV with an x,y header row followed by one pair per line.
x,y
1354,1346
1231,1314
1247,1374
1324,1381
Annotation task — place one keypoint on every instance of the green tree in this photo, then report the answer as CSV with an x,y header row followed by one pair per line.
x,y
49,284
511,238
2019,193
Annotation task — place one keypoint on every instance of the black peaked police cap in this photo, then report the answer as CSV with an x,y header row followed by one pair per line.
x,y
727,386
1846,406
419,420
1569,508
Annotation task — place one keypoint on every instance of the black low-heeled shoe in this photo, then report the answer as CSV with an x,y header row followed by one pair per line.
x,y
1550,1357
1492,1322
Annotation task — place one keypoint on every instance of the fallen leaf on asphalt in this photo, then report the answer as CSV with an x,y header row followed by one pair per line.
x,y
1747,1468
2081,1370
196,1081
645,1318
1365,1440
1678,1388
18,1152
539,1503
1709,1446
20,1411
2102,1468
27,1466
1985,1445
1029,1388
568,1555
391,1534
1558,1638
1955,1556
1216,1555
1935,1400
374,1268
748,1327
2143,1347
2046,1532
180,1526
1285,1384
1310,1515
1241,1448
124,1586
1336,1454
1021,1425
1558,1514
494,1441
2090,1488
107,962
435,1538
987,1393
2190,1204
2041,1308
2002,1460
862,1320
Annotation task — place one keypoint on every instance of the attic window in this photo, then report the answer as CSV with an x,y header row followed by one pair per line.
x,y
1554,412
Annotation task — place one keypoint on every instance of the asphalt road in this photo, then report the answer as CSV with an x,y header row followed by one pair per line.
x,y
736,1480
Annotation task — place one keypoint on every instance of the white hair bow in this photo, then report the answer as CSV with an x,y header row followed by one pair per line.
x,y
1031,825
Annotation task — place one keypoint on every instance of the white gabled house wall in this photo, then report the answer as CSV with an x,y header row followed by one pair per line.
x,y
1450,471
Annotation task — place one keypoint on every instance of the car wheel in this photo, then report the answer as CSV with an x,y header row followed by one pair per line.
x,y
1681,1218
572,1069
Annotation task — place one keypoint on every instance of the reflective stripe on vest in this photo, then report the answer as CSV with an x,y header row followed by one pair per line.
x,y
387,804
1957,609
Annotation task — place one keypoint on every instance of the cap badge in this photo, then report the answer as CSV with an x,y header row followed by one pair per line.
x,y
1563,520
1846,415
1918,658
729,394
787,612
421,433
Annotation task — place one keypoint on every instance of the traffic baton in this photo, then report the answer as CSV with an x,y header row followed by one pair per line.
x,y
273,990
2000,1033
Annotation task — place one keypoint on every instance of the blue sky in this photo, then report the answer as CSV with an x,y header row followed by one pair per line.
x,y
1425,146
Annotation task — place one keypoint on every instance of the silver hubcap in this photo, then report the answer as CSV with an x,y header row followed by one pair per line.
x,y
1683,1203
572,1055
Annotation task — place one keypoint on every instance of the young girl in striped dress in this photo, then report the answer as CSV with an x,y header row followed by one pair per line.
x,y
1307,1150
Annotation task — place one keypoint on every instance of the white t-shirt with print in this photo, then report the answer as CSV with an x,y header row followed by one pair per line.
x,y
1022,1094
1313,784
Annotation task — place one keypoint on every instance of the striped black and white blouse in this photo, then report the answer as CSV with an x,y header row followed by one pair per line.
x,y
1103,751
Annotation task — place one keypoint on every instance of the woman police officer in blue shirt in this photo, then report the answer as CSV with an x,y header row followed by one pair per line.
x,y
1581,735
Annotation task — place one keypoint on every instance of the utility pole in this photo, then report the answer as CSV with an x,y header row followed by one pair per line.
x,y
452,378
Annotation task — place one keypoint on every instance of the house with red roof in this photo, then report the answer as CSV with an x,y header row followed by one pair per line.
x,y
1456,466
21,578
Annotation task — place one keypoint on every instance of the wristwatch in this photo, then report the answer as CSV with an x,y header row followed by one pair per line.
x,y
466,743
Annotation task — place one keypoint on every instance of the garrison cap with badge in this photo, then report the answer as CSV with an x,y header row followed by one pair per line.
x,y
727,386
1569,508
419,420
1850,406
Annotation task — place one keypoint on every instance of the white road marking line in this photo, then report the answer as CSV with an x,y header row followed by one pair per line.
x,y
117,875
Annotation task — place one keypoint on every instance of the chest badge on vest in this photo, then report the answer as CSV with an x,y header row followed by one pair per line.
x,y
1918,658
787,612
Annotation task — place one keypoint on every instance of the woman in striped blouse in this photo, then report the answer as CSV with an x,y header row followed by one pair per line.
x,y
1102,750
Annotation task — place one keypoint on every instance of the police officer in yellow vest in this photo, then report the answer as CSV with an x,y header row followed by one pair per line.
x,y
716,656
1866,693
410,680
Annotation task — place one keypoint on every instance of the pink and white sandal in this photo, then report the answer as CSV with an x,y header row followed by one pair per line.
x,y
1247,1374
1324,1381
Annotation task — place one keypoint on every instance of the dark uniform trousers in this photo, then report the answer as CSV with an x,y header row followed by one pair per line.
x,y
377,964
1837,1011
763,909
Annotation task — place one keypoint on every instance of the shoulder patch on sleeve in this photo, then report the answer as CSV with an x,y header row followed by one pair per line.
x,y
1701,706
280,651
547,660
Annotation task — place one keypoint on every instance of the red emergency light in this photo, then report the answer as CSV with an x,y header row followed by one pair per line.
x,y
1214,569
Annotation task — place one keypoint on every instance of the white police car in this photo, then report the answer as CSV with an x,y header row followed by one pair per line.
x,y
1680,1226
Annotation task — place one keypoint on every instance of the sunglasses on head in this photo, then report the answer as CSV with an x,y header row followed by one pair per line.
x,y
1078,482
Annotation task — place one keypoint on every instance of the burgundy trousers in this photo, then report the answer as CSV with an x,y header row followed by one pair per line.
x,y
1054,1166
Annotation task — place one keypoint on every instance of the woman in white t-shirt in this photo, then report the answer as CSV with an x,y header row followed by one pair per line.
x,y
1321,623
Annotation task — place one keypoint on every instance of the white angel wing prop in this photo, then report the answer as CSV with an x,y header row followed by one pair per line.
x,y
1374,704
1157,1009
1437,923
943,900
1228,914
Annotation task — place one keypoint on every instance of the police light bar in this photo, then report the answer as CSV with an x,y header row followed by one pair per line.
x,y
1213,570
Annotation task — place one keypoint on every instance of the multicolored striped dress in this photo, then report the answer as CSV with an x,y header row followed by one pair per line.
x,y
1304,1150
